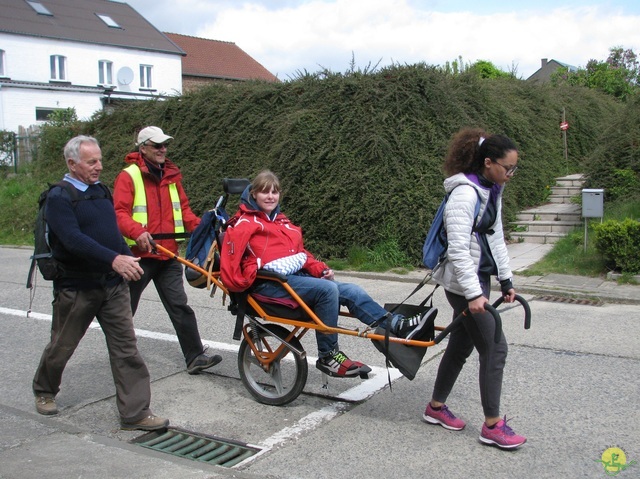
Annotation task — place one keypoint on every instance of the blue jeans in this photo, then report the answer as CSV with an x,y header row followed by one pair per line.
x,y
325,297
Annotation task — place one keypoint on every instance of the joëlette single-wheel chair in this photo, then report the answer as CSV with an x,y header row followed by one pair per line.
x,y
271,359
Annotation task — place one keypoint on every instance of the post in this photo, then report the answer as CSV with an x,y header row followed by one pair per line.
x,y
592,207
564,142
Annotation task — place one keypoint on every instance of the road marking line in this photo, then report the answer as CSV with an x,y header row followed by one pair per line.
x,y
361,392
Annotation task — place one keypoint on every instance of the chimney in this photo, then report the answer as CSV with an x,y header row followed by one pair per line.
x,y
544,62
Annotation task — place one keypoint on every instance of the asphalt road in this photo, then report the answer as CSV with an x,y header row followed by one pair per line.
x,y
571,386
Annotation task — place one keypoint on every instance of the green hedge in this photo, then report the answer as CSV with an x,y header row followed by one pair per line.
x,y
615,161
619,242
359,154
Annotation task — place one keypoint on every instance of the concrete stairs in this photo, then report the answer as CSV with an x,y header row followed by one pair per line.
x,y
555,219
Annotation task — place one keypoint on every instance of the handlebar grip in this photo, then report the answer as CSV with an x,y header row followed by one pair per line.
x,y
525,306
498,319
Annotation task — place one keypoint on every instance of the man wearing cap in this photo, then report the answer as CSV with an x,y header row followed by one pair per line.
x,y
151,203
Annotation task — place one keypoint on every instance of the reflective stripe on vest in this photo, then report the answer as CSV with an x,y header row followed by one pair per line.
x,y
139,208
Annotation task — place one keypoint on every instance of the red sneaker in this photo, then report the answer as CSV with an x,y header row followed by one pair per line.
x,y
337,364
501,435
444,417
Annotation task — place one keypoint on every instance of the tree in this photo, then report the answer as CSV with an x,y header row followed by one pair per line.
x,y
482,68
618,75
627,61
486,69
7,145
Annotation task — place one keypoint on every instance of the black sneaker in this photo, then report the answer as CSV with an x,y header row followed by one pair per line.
x,y
204,361
415,326
338,365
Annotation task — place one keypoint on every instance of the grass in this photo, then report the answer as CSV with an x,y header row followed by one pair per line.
x,y
568,257
18,201
386,256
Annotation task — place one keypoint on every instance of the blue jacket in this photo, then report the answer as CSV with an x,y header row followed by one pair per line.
x,y
84,237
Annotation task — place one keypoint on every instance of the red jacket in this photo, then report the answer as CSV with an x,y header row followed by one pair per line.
x,y
159,209
253,239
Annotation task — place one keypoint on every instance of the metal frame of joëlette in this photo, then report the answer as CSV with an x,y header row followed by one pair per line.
x,y
318,325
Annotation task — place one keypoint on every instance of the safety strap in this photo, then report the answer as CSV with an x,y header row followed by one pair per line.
x,y
241,300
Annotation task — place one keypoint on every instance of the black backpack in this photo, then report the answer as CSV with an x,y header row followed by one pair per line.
x,y
49,267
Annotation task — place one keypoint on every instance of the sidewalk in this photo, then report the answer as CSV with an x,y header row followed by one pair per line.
x,y
522,256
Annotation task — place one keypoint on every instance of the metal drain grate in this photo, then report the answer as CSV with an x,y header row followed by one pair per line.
x,y
197,447
562,299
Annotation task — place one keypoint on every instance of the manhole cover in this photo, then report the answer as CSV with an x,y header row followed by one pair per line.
x,y
563,299
197,447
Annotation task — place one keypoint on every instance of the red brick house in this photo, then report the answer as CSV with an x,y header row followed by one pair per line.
x,y
209,61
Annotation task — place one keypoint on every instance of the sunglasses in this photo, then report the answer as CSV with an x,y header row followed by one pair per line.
x,y
508,170
157,146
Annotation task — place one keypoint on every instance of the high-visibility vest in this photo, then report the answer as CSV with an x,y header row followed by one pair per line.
x,y
139,208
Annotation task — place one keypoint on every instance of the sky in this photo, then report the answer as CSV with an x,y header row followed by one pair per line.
x,y
289,37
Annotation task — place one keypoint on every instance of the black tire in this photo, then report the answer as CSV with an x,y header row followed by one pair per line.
x,y
287,375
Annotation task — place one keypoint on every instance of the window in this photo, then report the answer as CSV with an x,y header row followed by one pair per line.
x,y
105,72
2,73
110,22
39,8
58,67
145,76
42,114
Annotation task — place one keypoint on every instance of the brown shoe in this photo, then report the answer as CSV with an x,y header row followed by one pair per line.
x,y
149,423
204,361
46,405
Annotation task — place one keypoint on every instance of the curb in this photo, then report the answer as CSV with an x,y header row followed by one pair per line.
x,y
606,292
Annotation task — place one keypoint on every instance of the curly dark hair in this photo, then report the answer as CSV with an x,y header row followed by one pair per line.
x,y
467,152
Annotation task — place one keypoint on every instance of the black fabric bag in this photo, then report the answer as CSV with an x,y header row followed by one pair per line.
x,y
407,359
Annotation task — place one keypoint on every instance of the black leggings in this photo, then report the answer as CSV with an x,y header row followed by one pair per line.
x,y
477,331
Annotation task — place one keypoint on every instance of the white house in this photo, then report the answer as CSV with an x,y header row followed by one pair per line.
x,y
84,54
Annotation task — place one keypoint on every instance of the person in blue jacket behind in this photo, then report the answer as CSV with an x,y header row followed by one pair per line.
x,y
95,264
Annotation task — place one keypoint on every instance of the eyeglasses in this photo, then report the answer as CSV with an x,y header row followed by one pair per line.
x,y
156,146
508,170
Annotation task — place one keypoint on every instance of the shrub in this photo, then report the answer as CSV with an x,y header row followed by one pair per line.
x,y
614,161
619,242
7,142
359,153
625,184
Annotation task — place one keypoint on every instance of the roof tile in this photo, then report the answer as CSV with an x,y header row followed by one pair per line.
x,y
218,59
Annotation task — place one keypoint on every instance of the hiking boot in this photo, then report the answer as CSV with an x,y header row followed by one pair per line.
x,y
149,423
501,435
415,326
444,417
204,361
338,365
46,405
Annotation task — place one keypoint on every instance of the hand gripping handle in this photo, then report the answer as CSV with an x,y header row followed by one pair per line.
x,y
458,322
492,309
